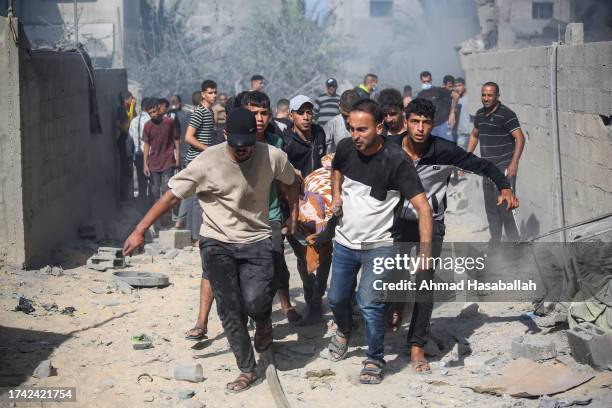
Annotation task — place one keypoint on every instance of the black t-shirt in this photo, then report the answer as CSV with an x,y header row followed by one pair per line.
x,y
373,190
395,139
442,100
495,134
305,156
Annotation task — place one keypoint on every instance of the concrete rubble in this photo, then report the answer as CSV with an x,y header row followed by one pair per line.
x,y
107,258
591,345
533,348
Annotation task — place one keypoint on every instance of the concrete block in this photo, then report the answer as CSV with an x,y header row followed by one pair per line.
x,y
591,345
99,260
178,239
115,252
574,34
533,348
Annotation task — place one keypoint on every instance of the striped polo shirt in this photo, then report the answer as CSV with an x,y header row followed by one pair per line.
x,y
326,107
495,135
202,121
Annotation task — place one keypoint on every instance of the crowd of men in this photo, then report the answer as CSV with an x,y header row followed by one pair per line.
x,y
241,174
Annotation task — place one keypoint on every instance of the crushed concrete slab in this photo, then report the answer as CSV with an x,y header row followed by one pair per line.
x,y
533,348
590,345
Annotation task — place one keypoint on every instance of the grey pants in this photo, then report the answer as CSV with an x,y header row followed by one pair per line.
x,y
499,218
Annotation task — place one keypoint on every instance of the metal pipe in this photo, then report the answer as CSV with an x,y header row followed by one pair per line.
x,y
554,107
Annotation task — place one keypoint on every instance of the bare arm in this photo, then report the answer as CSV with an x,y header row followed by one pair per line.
x,y
423,209
146,159
162,206
177,154
452,117
473,141
191,140
336,182
519,143
290,194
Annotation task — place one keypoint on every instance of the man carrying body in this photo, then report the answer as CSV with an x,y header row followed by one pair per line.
x,y
391,103
502,144
370,180
365,89
304,144
232,182
326,104
445,102
337,128
435,159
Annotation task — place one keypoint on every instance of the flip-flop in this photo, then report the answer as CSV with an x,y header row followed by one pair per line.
x,y
243,381
200,336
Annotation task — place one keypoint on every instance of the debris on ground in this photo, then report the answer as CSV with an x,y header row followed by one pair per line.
x,y
142,342
69,310
533,348
186,394
175,239
106,258
51,270
548,402
189,372
526,378
591,345
44,370
25,306
320,373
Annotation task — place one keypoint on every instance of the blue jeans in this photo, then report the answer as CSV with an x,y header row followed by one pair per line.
x,y
346,263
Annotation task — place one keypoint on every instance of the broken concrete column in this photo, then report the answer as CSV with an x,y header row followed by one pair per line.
x,y
591,345
533,348
177,239
574,34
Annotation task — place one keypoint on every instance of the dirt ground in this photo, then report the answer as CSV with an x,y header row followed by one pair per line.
x,y
92,349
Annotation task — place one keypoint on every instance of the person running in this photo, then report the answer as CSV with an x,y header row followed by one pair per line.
x,y
304,144
233,181
370,180
502,142
326,104
390,101
435,159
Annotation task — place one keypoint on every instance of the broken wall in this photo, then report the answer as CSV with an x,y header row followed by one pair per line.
x,y
56,174
584,92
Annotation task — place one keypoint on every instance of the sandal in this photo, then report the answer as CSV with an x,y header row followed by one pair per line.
x,y
337,351
197,333
421,366
242,383
263,336
372,372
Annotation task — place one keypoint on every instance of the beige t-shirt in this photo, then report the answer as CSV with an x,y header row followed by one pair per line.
x,y
234,196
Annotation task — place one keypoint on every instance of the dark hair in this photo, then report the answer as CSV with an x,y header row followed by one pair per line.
x,y
196,98
163,101
494,85
424,74
390,98
407,89
123,95
257,77
373,76
148,103
283,104
371,107
448,78
459,80
208,84
222,94
421,107
256,98
235,102
178,98
348,99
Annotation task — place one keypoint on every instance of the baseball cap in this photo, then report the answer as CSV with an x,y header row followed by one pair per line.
x,y
241,127
298,101
331,82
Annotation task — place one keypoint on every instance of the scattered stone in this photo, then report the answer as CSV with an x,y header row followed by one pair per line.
x,y
140,259
101,290
548,402
123,286
320,373
469,310
142,342
46,270
153,249
186,394
457,354
479,361
590,345
57,271
171,254
44,369
50,307
114,252
176,239
149,398
69,310
25,306
533,348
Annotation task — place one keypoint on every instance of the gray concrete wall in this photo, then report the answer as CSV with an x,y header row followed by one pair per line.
x,y
56,175
584,91
11,204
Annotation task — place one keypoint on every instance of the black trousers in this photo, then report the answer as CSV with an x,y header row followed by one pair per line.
x,y
125,173
423,304
499,218
241,276
314,284
281,271
143,181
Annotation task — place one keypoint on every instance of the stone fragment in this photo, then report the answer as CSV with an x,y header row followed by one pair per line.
x,y
533,348
44,369
591,345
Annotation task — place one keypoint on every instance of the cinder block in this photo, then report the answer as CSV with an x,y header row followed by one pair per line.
x,y
533,348
110,251
591,345
102,260
178,239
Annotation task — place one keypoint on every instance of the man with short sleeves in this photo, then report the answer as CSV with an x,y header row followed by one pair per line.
x,y
232,182
501,142
371,177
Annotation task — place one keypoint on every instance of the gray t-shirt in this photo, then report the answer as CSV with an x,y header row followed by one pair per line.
x,y
234,196
335,131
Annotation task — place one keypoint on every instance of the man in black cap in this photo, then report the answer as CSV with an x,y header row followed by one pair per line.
x,y
232,181
326,104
